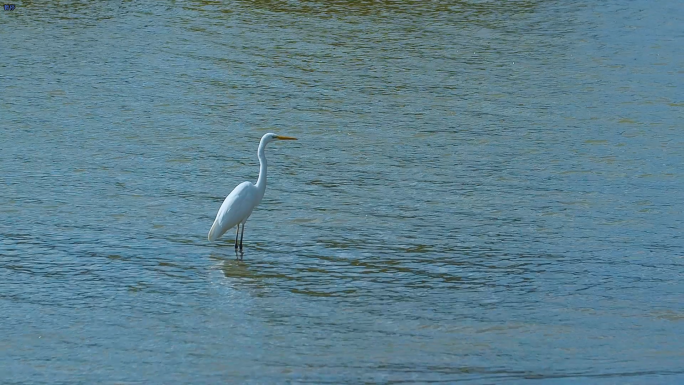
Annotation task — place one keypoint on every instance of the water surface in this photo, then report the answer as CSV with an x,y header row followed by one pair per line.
x,y
482,191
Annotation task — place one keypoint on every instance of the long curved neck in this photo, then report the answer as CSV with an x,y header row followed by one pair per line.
x,y
261,182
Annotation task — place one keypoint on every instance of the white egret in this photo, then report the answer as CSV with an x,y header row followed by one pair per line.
x,y
239,205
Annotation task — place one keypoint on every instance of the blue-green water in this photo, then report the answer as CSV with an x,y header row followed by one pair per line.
x,y
481,191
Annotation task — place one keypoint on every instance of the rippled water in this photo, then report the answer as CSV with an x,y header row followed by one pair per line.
x,y
483,191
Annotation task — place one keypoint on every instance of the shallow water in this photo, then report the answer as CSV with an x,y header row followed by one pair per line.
x,y
481,191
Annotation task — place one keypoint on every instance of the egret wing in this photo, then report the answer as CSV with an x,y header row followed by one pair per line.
x,y
237,207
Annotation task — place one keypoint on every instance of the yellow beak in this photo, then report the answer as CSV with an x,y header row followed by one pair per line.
x,y
285,137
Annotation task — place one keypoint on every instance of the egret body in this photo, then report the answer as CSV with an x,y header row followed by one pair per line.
x,y
239,204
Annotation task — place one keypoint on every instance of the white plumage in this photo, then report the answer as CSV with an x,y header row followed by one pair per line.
x,y
236,209
239,204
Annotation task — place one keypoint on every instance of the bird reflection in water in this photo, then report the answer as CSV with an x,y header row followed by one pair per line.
x,y
234,268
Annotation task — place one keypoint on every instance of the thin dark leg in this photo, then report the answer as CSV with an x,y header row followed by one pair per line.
x,y
242,236
236,236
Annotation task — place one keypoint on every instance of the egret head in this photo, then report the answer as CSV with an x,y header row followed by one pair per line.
x,y
271,137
